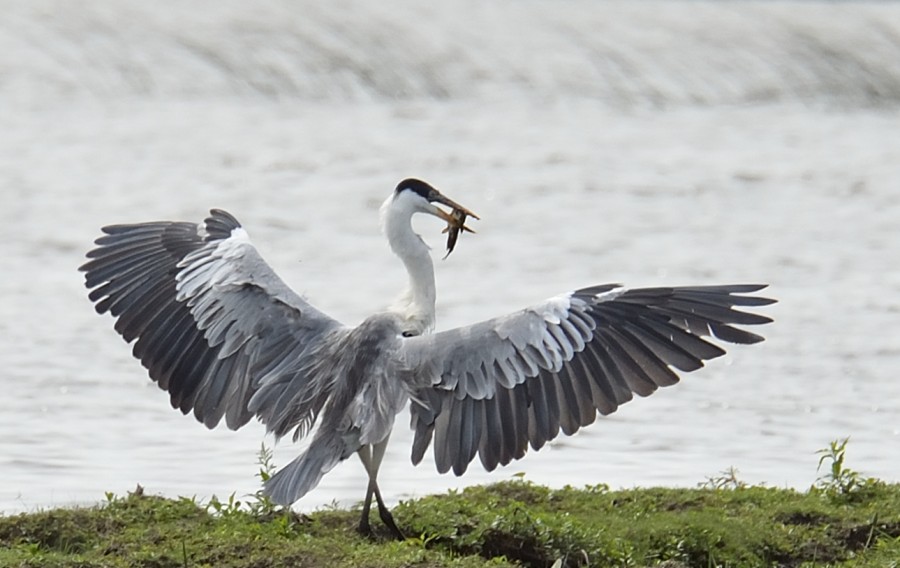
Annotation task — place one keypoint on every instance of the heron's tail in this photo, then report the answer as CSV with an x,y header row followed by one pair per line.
x,y
302,475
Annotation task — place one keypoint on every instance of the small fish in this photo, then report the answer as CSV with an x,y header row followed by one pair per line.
x,y
456,224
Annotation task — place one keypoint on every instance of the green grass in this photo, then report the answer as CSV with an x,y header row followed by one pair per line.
x,y
844,520
504,524
154,532
750,526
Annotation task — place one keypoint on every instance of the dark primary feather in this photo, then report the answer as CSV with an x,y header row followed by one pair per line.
x,y
497,387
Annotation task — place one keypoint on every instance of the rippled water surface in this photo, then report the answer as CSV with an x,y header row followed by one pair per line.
x,y
599,142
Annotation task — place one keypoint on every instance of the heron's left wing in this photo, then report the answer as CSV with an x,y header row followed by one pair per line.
x,y
495,387
213,322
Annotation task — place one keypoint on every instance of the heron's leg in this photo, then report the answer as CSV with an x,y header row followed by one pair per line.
x,y
371,457
365,455
386,517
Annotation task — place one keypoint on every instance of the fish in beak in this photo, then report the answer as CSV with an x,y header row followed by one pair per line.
x,y
456,219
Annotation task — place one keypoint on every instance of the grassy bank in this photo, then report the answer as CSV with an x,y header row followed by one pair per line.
x,y
843,520
498,525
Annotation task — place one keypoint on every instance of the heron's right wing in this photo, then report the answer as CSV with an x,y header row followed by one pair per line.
x,y
215,326
496,387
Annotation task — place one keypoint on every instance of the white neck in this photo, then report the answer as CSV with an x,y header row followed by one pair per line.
x,y
416,303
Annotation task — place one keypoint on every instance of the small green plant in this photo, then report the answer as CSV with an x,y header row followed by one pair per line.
x,y
261,504
727,479
265,459
839,480
229,508
258,504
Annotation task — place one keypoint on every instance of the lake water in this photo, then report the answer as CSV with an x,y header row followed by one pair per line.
x,y
647,143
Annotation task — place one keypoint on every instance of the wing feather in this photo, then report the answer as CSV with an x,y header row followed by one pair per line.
x,y
633,375
492,455
210,320
584,395
499,386
543,413
470,438
149,300
577,407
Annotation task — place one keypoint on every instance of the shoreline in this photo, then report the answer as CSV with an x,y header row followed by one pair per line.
x,y
512,523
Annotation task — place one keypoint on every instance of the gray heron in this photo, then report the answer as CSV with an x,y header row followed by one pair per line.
x,y
227,339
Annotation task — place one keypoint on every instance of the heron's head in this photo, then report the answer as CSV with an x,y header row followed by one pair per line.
x,y
416,196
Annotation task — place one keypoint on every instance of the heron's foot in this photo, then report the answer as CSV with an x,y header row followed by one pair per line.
x,y
388,519
364,528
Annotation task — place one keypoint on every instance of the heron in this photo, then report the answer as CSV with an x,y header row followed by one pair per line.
x,y
220,331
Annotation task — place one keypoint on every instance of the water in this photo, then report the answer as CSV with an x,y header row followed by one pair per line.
x,y
599,142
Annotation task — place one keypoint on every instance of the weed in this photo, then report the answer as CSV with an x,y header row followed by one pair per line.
x,y
261,504
727,479
840,481
229,508
258,504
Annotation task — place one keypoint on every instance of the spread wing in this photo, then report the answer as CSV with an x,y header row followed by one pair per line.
x,y
214,325
497,386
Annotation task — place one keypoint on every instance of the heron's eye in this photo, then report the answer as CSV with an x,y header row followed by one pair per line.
x,y
409,334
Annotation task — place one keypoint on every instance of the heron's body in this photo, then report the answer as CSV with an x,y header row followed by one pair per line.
x,y
218,330
365,396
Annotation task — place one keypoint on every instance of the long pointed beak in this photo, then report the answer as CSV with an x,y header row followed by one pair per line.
x,y
438,197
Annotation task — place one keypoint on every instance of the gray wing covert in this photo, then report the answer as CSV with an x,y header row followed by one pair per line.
x,y
495,387
214,324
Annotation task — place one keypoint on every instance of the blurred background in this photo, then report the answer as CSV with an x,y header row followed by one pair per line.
x,y
648,143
